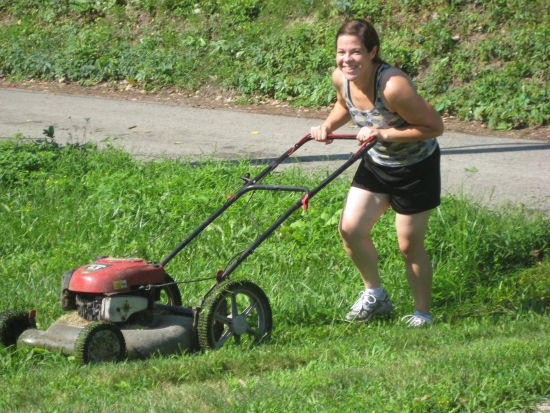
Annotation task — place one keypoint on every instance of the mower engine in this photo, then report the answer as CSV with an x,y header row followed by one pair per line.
x,y
113,289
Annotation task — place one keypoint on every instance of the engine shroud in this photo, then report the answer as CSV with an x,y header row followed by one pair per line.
x,y
115,276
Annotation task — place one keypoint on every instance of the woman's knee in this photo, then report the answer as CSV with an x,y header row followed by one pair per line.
x,y
411,232
411,248
353,233
350,231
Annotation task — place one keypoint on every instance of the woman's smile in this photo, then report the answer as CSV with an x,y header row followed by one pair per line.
x,y
352,56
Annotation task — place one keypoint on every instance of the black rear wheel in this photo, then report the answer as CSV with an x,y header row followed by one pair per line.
x,y
236,311
12,325
169,294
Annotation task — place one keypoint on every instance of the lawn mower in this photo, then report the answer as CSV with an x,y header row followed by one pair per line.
x,y
121,308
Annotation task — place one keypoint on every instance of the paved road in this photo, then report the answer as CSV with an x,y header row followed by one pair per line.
x,y
494,170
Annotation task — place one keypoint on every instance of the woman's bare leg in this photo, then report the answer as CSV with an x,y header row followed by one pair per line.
x,y
411,231
361,211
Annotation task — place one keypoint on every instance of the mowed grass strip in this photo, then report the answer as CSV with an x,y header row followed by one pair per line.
x,y
493,364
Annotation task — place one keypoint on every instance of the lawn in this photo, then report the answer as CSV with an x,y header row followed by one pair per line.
x,y
488,349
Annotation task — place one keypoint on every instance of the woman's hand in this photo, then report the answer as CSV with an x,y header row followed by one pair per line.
x,y
367,132
320,133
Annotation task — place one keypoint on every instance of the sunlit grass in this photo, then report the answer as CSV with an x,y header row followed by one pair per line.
x,y
487,351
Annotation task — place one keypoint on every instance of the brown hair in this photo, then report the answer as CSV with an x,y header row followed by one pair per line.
x,y
366,34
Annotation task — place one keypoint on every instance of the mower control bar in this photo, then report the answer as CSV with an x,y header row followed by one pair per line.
x,y
250,184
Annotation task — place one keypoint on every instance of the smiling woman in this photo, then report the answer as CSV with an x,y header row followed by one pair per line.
x,y
401,170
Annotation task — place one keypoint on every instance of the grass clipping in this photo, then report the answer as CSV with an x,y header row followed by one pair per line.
x,y
73,319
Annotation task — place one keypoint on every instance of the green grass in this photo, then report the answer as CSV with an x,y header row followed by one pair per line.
x,y
487,351
489,365
486,60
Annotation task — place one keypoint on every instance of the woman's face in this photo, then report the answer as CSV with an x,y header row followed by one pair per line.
x,y
352,57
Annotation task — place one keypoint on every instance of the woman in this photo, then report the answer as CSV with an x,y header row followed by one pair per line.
x,y
401,170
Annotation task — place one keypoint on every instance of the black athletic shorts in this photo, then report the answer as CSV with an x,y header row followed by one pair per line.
x,y
414,188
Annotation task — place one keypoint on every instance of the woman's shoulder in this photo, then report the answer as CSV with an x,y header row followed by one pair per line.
x,y
394,83
393,74
338,81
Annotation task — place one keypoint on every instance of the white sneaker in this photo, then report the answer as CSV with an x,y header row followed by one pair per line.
x,y
416,320
367,306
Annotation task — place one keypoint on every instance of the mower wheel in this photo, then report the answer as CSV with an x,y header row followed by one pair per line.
x,y
238,309
170,294
12,324
99,342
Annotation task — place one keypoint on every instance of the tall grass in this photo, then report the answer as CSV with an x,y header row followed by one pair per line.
x,y
66,205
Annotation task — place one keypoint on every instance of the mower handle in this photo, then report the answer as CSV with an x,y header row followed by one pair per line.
x,y
308,138
251,184
341,136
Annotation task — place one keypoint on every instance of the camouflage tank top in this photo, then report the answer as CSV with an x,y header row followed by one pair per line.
x,y
388,153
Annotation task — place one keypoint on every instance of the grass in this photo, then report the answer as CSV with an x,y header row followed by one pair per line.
x,y
492,364
485,60
487,351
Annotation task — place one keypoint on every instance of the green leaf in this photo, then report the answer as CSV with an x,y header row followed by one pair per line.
x,y
298,224
503,126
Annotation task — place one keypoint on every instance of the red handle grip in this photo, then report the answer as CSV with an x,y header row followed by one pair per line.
x,y
308,137
341,136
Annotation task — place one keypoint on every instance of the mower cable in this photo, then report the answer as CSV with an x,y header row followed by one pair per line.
x,y
254,221
250,217
232,259
150,286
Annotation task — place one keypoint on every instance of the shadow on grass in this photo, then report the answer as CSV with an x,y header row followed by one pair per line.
x,y
536,304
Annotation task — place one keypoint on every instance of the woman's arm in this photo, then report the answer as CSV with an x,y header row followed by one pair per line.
x,y
338,116
399,95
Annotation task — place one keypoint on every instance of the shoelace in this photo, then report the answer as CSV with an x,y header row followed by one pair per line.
x,y
414,320
364,298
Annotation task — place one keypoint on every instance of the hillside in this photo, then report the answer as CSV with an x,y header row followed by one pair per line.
x,y
474,60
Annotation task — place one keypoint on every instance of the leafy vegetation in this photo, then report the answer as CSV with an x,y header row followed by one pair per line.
x,y
486,60
487,350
